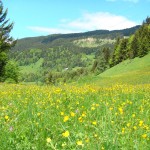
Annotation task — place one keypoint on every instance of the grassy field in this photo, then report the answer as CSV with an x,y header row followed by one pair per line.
x,y
73,117
33,68
105,112
135,71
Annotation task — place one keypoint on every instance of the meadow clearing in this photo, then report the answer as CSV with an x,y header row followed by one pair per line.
x,y
74,117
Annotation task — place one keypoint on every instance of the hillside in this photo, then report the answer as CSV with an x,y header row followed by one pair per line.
x,y
37,56
135,71
58,39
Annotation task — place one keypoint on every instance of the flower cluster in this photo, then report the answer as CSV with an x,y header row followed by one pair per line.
x,y
74,117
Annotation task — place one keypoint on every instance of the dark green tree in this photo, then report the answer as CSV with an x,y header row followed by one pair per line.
x,y
143,35
6,41
138,46
147,21
106,53
133,51
123,49
11,71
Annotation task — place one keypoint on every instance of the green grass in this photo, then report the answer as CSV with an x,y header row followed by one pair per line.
x,y
135,71
137,65
33,68
72,117
109,111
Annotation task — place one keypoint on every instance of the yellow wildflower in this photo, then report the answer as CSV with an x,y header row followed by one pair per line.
x,y
97,105
79,143
66,134
112,122
61,113
72,114
123,130
94,123
95,135
80,119
66,118
134,127
146,127
128,124
92,108
120,110
83,115
48,140
141,123
87,140
6,117
144,136
38,114
111,108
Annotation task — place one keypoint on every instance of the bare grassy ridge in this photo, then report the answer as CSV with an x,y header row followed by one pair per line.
x,y
93,42
73,117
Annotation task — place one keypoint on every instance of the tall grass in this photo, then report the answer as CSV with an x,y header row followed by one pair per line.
x,y
71,117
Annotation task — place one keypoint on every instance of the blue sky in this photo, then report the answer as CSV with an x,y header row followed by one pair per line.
x,y
44,17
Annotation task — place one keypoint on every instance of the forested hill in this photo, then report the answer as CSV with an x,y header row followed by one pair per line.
x,y
96,33
79,53
58,39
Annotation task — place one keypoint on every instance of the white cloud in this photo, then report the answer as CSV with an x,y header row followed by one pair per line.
x,y
88,22
100,20
50,30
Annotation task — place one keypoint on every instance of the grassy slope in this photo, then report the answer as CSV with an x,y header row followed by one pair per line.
x,y
136,71
33,68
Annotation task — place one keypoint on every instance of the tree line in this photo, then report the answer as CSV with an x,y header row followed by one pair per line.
x,y
56,56
137,45
8,68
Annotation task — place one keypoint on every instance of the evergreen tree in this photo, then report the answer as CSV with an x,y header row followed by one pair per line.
x,y
6,41
143,35
133,52
147,21
139,46
12,71
106,53
115,57
122,51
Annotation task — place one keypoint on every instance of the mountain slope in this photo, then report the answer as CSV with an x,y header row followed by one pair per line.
x,y
58,39
137,65
38,56
135,71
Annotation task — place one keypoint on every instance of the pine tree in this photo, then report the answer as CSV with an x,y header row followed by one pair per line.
x,y
6,41
147,21
144,40
134,48
106,53
123,50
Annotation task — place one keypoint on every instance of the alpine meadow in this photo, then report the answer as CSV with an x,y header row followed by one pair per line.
x,y
84,85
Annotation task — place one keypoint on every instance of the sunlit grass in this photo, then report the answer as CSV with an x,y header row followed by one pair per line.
x,y
72,117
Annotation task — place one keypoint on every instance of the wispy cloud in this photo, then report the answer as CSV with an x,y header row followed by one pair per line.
x,y
100,20
50,30
88,22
